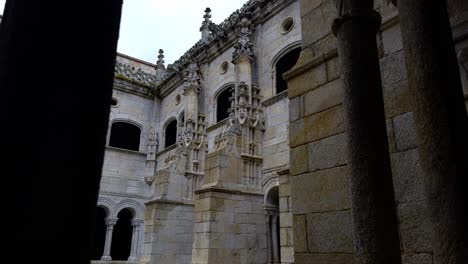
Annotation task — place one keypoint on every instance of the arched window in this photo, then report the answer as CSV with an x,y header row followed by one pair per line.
x,y
122,236
99,234
170,134
223,104
125,135
283,65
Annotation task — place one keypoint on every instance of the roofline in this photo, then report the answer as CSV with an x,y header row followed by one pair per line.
x,y
136,59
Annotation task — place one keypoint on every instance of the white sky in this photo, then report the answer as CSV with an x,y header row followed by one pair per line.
x,y
172,25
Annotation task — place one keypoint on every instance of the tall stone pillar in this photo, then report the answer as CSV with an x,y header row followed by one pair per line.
x,y
373,208
136,224
274,238
110,222
441,122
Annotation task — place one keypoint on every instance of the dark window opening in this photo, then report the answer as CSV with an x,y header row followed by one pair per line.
x,y
125,136
122,236
283,65
170,134
99,234
222,105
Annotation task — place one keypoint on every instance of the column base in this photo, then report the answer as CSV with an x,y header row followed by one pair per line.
x,y
107,258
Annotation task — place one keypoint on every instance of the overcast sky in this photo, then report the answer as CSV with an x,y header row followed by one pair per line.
x,y
172,25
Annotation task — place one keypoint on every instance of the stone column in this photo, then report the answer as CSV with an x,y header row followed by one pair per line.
x,y
375,224
441,122
135,239
274,238
110,222
268,229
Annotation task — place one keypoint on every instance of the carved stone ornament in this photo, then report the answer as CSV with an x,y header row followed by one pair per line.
x,y
129,73
244,46
192,78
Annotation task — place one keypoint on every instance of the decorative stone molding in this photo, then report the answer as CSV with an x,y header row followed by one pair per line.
x,y
131,74
244,46
152,144
274,99
217,125
222,36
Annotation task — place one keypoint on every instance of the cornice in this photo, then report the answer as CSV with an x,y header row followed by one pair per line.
x,y
133,88
173,146
276,98
217,125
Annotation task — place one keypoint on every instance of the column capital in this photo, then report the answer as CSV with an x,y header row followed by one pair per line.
x,y
110,221
137,222
366,16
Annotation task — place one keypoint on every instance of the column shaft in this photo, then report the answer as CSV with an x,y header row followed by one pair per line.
x,y
274,236
375,224
133,250
268,229
107,245
441,122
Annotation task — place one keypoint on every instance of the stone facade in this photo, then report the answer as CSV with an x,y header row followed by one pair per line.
x,y
204,198
320,177
270,183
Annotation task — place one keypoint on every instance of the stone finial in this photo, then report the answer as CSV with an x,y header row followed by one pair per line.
x,y
160,68
244,46
160,62
205,28
207,15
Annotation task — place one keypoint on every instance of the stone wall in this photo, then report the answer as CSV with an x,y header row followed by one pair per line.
x,y
320,188
229,228
168,232
286,218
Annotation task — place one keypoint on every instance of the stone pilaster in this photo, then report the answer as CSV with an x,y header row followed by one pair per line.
x,y
110,222
375,223
441,122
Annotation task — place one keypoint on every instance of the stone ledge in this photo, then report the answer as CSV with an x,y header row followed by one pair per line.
x,y
172,202
171,147
228,191
217,125
132,152
314,62
275,98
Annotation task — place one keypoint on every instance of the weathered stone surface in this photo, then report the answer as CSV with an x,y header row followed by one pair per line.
x,y
391,136
316,24
296,108
307,6
397,99
415,227
299,160
300,233
317,126
393,69
337,258
321,191
324,97
327,153
417,258
391,38
307,81
405,131
330,232
408,177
